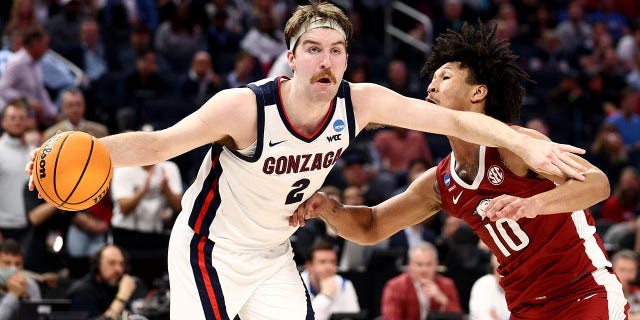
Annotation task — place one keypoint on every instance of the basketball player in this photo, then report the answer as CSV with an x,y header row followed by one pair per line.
x,y
552,266
273,145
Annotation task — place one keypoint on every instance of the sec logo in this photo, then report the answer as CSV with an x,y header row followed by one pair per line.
x,y
495,175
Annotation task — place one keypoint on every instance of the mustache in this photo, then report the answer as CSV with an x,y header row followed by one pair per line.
x,y
322,74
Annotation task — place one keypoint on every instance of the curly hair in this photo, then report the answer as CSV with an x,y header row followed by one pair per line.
x,y
489,61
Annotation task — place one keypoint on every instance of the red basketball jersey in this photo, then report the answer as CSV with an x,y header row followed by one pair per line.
x,y
539,258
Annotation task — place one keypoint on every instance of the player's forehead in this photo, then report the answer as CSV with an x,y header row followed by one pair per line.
x,y
323,37
449,67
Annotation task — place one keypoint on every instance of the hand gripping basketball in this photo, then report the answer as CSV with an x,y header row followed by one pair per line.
x,y
72,170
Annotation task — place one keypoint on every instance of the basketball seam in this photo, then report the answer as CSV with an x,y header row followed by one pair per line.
x,y
55,167
86,164
99,189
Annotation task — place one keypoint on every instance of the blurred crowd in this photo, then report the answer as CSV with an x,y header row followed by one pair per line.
x,y
109,66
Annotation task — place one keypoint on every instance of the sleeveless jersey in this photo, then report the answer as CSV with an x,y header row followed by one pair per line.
x,y
539,258
243,200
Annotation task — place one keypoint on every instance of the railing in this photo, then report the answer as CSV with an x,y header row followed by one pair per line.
x,y
392,32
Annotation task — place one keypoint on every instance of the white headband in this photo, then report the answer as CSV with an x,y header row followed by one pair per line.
x,y
317,22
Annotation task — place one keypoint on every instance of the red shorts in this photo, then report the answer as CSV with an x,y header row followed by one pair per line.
x,y
597,296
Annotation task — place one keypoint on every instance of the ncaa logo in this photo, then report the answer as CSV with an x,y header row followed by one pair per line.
x,y
495,175
447,180
338,125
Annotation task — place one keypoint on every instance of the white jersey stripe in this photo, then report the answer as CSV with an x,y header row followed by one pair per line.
x,y
587,232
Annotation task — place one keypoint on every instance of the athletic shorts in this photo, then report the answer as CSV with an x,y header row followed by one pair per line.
x,y
210,282
596,296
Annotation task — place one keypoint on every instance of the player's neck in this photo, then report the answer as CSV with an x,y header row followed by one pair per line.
x,y
304,112
467,157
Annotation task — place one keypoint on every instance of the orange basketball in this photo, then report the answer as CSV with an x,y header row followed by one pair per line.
x,y
72,170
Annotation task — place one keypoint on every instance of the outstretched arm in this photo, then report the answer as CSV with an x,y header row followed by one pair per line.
x,y
369,225
570,195
376,104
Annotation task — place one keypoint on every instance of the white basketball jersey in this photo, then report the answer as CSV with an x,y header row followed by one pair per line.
x,y
243,201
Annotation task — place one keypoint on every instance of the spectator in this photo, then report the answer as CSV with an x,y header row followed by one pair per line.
x,y
399,146
223,37
46,250
608,152
628,123
146,201
201,82
625,266
22,78
64,27
264,42
146,198
73,108
420,290
575,32
14,155
179,37
329,292
107,289
23,17
14,284
243,70
141,90
487,301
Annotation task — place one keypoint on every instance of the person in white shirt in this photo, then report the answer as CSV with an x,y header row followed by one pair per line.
x,y
487,301
329,292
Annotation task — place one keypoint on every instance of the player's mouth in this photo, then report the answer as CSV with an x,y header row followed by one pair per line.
x,y
323,77
430,99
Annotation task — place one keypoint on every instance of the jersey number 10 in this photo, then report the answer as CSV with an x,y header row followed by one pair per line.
x,y
500,226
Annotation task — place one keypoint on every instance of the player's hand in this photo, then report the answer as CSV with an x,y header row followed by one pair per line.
x,y
553,158
311,208
510,207
29,167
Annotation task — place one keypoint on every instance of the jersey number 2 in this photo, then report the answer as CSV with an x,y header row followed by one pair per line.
x,y
521,236
297,193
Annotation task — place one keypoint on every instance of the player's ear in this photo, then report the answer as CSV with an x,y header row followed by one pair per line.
x,y
290,59
479,93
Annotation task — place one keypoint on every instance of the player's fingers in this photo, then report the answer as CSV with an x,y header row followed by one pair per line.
x,y
294,218
30,182
568,170
496,204
570,148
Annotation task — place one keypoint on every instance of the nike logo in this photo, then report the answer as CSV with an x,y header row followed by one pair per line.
x,y
456,198
587,297
271,144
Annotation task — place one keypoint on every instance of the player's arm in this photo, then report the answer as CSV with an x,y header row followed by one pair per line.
x,y
369,225
570,194
230,113
377,104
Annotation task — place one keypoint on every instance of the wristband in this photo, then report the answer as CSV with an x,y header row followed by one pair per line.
x,y
120,298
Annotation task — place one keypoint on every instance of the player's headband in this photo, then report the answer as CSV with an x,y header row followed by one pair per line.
x,y
317,22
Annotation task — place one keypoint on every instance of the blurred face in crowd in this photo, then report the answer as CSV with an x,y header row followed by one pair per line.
x,y
111,266
352,196
201,64
323,264
626,270
14,121
73,107
423,264
39,47
147,64
8,260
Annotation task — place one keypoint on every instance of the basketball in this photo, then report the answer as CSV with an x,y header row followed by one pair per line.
x,y
72,170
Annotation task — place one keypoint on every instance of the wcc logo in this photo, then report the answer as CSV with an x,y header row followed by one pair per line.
x,y
338,126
